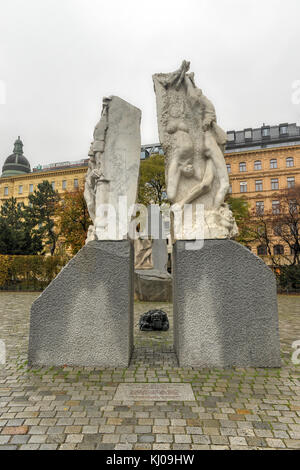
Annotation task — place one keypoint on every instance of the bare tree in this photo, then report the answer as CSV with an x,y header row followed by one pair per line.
x,y
279,228
286,224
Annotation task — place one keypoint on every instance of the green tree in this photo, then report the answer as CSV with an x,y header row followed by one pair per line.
x,y
241,212
16,236
41,212
73,220
152,186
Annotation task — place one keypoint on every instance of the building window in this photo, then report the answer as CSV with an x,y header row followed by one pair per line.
x,y
243,166
276,207
283,130
6,191
260,207
265,131
257,165
273,163
53,185
228,167
230,189
243,187
31,188
248,134
20,189
293,206
231,136
64,184
289,162
75,183
258,185
262,250
278,250
291,182
274,183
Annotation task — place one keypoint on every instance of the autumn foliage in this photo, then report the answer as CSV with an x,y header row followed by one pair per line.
x,y
73,220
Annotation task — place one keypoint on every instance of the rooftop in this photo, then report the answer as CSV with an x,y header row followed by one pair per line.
x,y
238,141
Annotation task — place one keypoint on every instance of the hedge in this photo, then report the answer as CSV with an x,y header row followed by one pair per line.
x,y
29,272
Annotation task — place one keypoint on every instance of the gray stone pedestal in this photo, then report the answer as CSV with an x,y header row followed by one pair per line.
x,y
85,316
225,307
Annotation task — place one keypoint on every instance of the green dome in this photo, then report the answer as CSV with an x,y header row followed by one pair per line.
x,y
17,163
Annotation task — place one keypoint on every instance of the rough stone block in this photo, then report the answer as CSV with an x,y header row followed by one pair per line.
x,y
85,316
225,307
151,285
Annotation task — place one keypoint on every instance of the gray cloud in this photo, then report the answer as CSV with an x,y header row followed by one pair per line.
x,y
59,57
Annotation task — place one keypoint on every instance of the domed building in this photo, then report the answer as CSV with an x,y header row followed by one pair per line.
x,y
17,163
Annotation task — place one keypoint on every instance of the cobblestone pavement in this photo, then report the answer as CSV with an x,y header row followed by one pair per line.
x,y
74,408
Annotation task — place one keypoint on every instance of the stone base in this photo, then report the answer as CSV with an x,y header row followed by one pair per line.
x,y
152,285
225,307
85,316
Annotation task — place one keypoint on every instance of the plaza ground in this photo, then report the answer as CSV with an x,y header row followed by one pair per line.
x,y
74,408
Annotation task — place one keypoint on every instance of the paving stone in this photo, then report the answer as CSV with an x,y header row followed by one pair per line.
x,y
15,430
182,439
48,447
123,447
292,444
238,441
235,408
146,438
5,439
8,447
74,438
29,447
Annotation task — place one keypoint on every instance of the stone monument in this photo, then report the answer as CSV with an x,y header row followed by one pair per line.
x,y
225,308
152,282
85,316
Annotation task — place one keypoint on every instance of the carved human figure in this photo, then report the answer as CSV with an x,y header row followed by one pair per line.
x,y
90,184
99,135
143,253
113,169
214,144
96,186
193,144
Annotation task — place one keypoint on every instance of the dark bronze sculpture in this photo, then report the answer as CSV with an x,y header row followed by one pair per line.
x,y
154,320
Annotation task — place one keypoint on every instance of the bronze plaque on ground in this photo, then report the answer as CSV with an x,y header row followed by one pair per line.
x,y
154,392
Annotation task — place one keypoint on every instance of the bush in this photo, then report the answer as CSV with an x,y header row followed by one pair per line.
x,y
29,272
289,278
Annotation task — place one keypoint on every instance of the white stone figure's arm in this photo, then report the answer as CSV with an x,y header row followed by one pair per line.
x,y
173,179
203,187
193,93
173,78
209,113
197,99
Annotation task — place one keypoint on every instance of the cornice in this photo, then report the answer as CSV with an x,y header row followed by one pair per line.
x,y
291,171
268,150
41,174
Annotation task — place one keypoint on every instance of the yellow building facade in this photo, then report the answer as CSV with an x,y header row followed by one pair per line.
x,y
260,175
20,186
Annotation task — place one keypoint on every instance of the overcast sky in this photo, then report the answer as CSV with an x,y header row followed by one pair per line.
x,y
59,57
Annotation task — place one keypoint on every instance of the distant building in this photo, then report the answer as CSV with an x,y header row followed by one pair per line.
x,y
16,164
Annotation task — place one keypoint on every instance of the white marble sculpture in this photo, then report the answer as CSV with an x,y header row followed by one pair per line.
x,y
194,145
143,253
113,170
